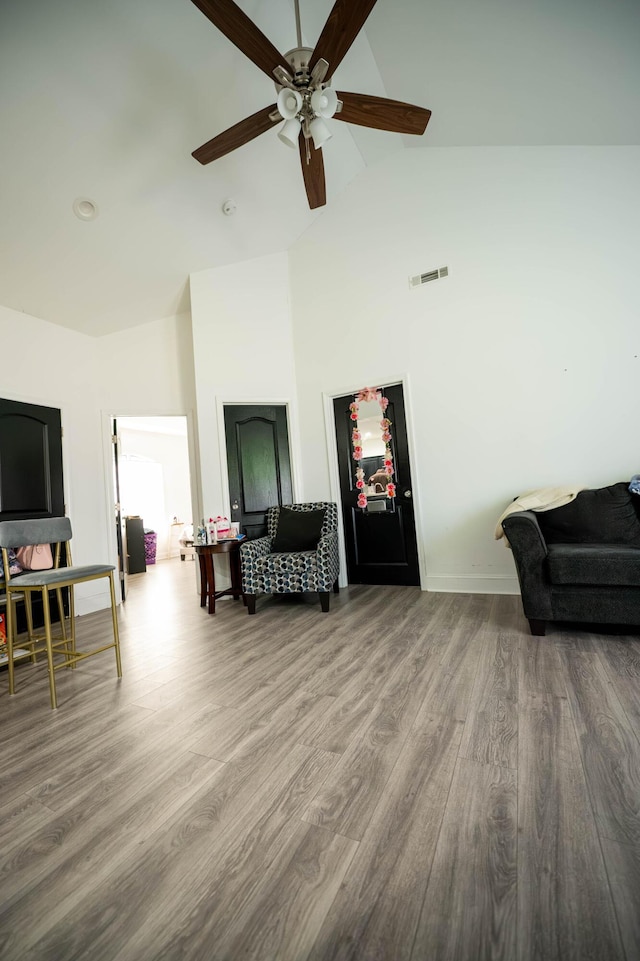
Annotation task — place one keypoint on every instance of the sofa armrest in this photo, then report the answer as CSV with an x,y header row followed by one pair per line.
x,y
250,552
328,560
530,554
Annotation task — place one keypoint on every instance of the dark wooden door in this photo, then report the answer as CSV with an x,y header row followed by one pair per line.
x,y
258,463
31,483
381,544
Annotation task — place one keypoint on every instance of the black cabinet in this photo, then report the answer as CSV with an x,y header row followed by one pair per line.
x,y
136,563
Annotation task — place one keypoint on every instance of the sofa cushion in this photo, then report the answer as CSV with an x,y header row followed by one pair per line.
x,y
603,516
288,562
598,565
298,530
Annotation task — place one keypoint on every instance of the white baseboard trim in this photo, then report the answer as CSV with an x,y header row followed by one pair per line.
x,y
93,603
471,584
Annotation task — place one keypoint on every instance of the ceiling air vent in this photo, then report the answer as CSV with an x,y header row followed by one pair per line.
x,y
421,279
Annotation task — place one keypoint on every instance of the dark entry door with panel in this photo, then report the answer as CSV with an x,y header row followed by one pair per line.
x,y
380,540
258,463
31,483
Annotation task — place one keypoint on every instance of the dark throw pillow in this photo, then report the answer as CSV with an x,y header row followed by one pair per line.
x,y
603,516
298,530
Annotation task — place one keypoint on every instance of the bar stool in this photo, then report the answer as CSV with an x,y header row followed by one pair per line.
x,y
57,532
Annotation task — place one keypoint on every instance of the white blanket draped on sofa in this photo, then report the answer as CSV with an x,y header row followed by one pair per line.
x,y
543,499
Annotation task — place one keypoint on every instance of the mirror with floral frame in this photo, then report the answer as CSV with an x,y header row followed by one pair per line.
x,y
371,440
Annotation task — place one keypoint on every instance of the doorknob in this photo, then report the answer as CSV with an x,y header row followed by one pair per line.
x,y
407,493
235,506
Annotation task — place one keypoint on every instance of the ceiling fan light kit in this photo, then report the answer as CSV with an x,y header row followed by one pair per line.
x,y
305,99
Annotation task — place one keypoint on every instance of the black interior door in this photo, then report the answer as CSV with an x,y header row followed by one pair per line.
x,y
380,540
258,463
31,483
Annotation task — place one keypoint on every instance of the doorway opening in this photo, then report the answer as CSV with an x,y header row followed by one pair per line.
x,y
152,491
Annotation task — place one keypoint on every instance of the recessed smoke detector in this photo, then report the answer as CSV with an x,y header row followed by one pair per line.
x,y
85,209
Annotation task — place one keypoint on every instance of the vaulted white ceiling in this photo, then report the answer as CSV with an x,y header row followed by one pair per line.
x,y
106,99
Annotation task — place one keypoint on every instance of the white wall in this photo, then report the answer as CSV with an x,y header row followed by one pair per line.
x,y
49,365
148,371
145,370
523,364
243,351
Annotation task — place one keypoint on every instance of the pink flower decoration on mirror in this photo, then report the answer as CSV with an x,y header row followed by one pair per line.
x,y
391,490
360,484
367,394
362,500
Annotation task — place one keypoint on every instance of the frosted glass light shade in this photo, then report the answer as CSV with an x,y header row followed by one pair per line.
x,y
289,103
319,132
290,132
324,102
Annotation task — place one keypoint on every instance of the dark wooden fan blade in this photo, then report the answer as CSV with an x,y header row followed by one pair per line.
x,y
236,136
313,173
382,114
342,27
241,31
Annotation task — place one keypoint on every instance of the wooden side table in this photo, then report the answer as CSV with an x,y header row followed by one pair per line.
x,y
205,554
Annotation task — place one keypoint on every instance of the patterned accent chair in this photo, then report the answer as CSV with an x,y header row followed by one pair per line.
x,y
293,572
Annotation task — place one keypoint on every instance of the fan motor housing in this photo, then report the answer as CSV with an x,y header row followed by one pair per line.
x,y
298,59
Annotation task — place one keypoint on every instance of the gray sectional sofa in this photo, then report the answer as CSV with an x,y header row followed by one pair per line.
x,y
580,562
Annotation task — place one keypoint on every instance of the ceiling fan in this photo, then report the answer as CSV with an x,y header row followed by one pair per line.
x,y
305,99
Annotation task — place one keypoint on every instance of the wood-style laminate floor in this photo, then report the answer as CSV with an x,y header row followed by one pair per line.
x,y
412,776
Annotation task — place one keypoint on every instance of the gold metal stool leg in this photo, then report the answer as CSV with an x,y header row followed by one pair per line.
x,y
28,610
114,618
47,631
11,618
70,644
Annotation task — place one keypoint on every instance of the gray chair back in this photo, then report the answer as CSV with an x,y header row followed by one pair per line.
x,y
41,530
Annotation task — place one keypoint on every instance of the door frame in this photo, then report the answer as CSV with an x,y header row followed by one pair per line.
x,y
242,400
334,475
107,417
